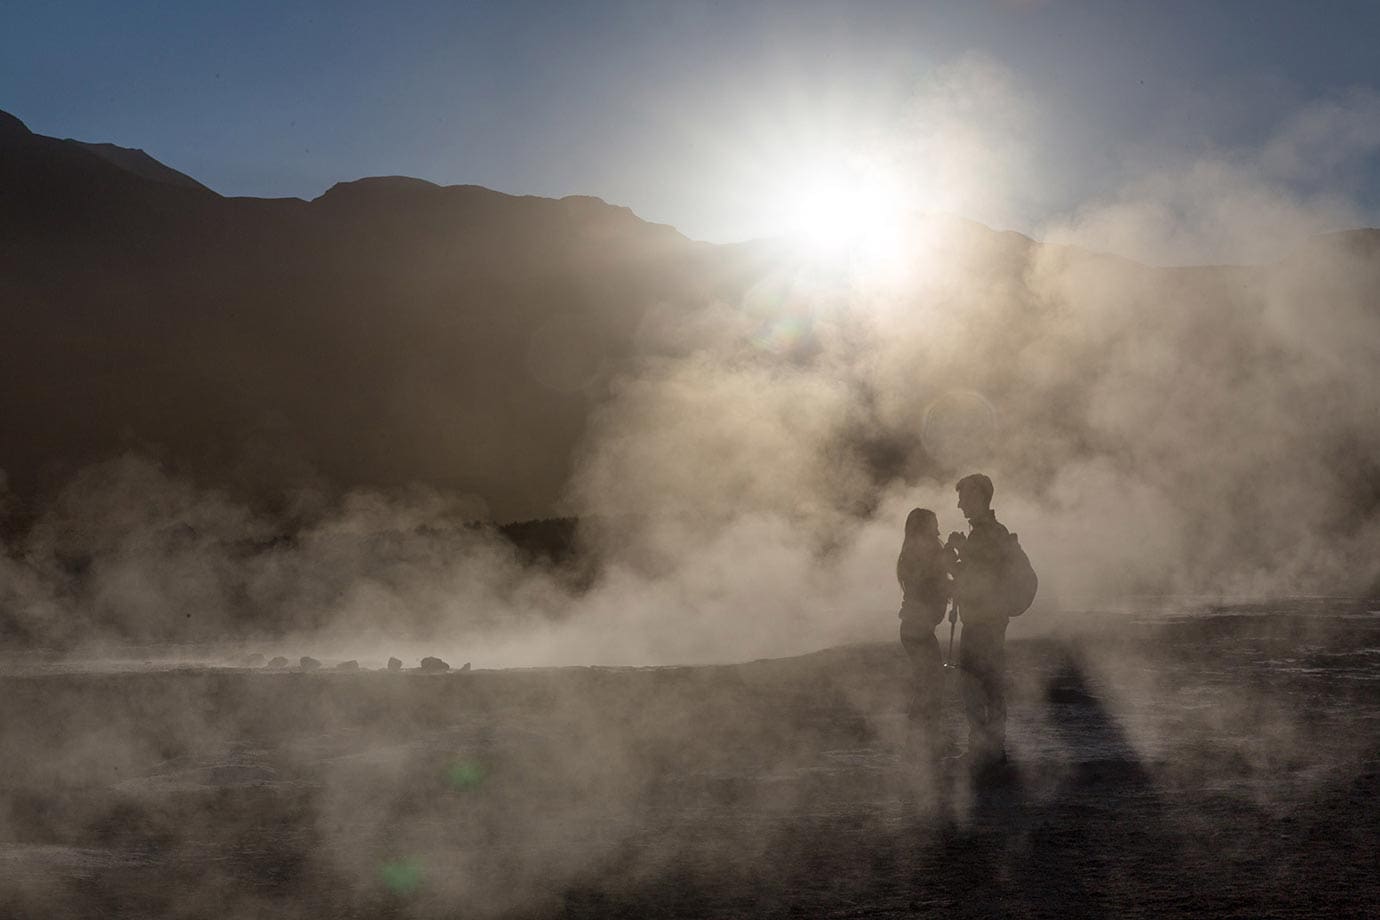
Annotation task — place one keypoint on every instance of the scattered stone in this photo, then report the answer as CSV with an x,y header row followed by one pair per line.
x,y
278,662
394,664
308,663
465,666
252,661
350,665
434,664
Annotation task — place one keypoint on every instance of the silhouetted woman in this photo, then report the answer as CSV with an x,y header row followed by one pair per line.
x,y
923,571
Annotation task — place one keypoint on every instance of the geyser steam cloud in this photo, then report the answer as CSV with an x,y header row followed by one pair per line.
x,y
1207,429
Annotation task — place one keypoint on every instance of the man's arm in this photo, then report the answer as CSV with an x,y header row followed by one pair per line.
x,y
981,554
953,550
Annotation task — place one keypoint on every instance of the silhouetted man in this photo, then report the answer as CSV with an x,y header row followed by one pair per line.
x,y
979,593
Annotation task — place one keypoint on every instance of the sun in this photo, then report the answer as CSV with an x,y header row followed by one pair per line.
x,y
852,210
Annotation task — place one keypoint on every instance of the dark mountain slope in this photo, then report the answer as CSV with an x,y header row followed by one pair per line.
x,y
393,331
140,163
390,331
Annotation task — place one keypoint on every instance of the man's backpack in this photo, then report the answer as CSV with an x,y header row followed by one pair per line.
x,y
1019,581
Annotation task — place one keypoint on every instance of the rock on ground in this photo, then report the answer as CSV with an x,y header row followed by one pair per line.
x,y
278,662
434,664
309,663
394,664
350,665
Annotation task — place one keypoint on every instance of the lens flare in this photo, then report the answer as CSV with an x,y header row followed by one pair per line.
x,y
782,336
464,775
402,876
959,428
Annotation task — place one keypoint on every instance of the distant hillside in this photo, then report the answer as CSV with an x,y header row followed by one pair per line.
x,y
395,332
139,163
391,331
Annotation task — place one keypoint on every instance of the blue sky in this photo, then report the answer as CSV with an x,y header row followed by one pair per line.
x,y
687,111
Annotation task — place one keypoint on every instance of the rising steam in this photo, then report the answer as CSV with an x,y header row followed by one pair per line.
x,y
1207,429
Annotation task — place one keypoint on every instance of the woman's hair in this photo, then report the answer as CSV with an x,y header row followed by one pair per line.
x,y
921,524
917,521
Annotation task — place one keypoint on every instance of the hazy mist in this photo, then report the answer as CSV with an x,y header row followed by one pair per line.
x,y
1204,430
245,429
750,427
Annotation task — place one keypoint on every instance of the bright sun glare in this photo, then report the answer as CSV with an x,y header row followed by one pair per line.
x,y
847,210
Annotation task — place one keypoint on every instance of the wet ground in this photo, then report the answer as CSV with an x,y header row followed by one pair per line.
x,y
1217,763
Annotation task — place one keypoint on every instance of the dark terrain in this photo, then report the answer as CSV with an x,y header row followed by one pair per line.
x,y
393,333
388,332
1223,763
222,417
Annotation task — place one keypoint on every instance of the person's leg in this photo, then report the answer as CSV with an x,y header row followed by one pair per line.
x,y
971,685
927,677
982,660
994,686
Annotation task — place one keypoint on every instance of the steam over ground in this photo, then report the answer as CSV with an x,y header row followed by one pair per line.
x,y
743,477
1205,430
740,488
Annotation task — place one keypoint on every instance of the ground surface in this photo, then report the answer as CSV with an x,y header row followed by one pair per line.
x,y
1224,763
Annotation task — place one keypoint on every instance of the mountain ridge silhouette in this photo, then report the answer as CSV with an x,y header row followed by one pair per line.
x,y
393,331
375,336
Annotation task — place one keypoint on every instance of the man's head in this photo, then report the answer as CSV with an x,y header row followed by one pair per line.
x,y
974,495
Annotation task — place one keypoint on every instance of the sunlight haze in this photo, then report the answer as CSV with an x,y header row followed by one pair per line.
x,y
1015,114
615,459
